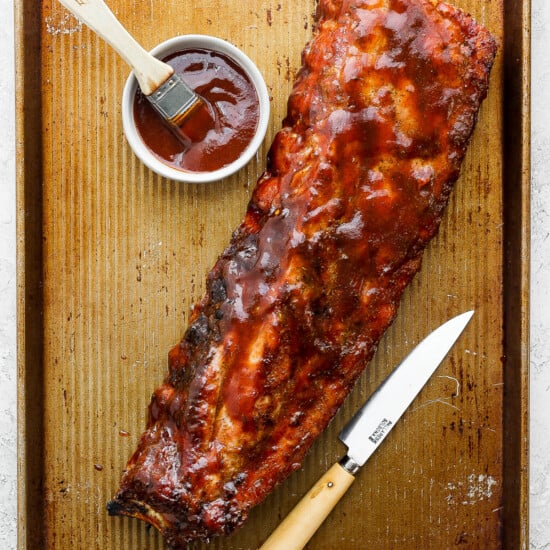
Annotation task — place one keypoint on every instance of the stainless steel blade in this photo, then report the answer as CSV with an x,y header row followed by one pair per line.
x,y
372,423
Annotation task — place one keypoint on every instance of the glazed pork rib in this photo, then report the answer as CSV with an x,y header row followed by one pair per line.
x,y
356,183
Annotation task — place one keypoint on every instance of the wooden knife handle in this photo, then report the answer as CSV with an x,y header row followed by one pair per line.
x,y
307,516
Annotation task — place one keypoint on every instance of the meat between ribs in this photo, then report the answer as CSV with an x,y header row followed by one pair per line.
x,y
356,183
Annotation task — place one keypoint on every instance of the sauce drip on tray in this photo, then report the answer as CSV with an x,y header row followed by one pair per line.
x,y
230,93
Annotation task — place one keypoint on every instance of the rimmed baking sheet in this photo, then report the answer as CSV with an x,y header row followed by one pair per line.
x,y
111,257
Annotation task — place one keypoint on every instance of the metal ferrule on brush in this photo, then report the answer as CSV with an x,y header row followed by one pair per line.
x,y
174,100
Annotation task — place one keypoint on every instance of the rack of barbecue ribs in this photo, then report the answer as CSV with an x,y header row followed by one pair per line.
x,y
356,184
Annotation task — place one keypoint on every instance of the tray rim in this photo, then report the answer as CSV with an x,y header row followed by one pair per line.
x,y
29,256
517,235
516,181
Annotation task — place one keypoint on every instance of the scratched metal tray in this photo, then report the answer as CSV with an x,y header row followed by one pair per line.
x,y
111,258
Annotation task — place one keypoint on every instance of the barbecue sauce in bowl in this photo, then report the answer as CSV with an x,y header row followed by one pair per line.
x,y
228,91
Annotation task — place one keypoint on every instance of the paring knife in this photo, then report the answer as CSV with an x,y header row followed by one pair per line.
x,y
364,434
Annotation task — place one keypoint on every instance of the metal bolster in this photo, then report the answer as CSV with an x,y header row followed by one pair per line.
x,y
349,465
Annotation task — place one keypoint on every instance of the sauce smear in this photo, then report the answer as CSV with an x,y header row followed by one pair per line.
x,y
229,92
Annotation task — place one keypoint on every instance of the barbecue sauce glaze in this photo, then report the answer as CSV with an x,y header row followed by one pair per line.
x,y
355,187
229,92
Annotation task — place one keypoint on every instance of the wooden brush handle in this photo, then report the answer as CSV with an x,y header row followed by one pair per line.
x,y
308,515
149,71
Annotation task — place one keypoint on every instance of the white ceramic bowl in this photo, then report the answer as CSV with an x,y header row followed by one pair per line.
x,y
174,45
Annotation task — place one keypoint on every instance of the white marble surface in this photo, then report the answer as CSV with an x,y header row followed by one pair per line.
x,y
8,455
540,280
540,285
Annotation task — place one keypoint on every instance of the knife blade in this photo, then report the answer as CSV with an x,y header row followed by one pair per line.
x,y
365,433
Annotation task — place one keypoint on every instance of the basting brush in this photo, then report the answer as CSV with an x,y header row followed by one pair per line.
x,y
185,111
